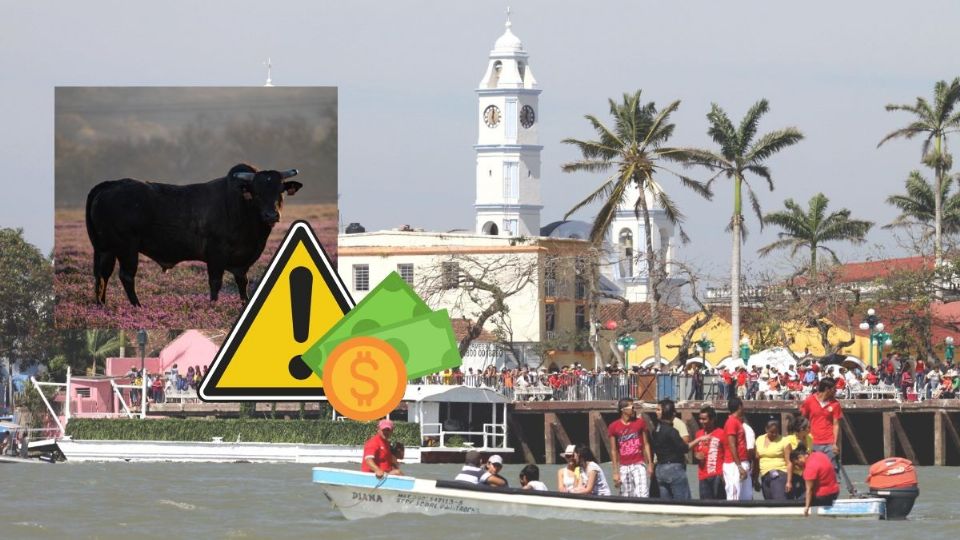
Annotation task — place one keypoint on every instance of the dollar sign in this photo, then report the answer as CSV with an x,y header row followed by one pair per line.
x,y
364,357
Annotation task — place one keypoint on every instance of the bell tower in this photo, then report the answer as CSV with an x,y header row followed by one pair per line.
x,y
508,156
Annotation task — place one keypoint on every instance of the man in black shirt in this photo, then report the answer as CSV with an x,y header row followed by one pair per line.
x,y
670,449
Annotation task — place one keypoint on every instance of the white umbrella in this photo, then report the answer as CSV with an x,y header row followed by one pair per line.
x,y
777,357
697,360
852,362
731,363
651,361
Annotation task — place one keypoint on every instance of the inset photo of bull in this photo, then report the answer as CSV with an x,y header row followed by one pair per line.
x,y
170,202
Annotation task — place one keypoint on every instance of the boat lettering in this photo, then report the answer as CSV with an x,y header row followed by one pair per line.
x,y
437,503
367,497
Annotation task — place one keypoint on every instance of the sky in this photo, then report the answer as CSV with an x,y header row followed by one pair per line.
x,y
182,135
406,72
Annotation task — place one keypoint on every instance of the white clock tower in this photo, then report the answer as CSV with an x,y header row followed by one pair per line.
x,y
508,156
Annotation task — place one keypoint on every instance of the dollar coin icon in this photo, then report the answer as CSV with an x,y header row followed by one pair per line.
x,y
364,378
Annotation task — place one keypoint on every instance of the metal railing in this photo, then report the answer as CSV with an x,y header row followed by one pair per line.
x,y
492,436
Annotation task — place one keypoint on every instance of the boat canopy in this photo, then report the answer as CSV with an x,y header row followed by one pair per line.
x,y
439,393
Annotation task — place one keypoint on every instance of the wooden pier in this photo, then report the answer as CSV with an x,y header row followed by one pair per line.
x,y
927,433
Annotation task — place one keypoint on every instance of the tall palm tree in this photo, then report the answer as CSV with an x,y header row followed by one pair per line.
x,y
934,122
741,154
812,228
634,148
98,344
918,206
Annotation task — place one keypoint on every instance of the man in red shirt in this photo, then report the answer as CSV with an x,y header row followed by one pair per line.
x,y
819,476
707,447
376,451
736,463
823,411
631,459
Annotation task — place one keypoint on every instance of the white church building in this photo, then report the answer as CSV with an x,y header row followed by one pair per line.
x,y
508,226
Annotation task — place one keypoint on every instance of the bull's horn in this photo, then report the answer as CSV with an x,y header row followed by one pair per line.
x,y
249,176
289,174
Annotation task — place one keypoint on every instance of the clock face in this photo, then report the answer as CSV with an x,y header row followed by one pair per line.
x,y
491,116
527,116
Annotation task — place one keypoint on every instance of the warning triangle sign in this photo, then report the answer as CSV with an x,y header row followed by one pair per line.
x,y
299,298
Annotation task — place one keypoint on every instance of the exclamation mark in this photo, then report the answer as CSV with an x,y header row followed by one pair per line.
x,y
301,289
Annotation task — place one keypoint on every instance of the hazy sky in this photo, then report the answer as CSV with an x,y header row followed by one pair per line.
x,y
407,71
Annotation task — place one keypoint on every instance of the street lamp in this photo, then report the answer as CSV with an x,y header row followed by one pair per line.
x,y
704,345
142,342
745,349
872,323
948,355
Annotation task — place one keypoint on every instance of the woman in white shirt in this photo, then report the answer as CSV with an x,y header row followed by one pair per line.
x,y
569,476
595,481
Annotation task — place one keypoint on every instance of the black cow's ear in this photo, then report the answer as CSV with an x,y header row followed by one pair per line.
x,y
292,187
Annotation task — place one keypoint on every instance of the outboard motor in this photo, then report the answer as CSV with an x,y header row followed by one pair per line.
x,y
895,480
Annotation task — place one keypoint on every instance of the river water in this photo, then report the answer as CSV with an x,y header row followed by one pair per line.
x,y
137,501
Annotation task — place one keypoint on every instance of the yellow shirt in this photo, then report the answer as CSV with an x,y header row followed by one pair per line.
x,y
771,454
792,441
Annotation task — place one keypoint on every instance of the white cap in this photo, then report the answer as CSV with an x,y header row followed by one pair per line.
x,y
569,450
495,459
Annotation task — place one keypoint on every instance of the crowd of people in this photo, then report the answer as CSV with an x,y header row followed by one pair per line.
x,y
160,385
894,377
800,462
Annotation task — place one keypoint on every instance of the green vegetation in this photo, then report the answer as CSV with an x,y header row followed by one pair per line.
x,y
742,152
933,122
277,431
635,148
810,229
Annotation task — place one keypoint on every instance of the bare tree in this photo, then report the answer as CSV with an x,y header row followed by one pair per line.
x,y
478,288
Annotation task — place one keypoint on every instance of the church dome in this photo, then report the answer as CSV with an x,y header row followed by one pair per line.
x,y
508,42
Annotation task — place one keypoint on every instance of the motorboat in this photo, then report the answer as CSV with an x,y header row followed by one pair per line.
x,y
359,495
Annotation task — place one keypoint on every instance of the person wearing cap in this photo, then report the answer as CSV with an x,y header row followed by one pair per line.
x,y
569,477
377,457
492,475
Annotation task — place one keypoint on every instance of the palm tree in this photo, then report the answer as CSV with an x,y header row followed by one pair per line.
x,y
634,149
741,154
812,228
918,206
98,344
934,123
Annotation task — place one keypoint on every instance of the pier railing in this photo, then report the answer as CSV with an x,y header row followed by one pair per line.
x,y
646,387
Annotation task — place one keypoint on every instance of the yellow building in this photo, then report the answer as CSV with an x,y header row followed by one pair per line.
x,y
718,330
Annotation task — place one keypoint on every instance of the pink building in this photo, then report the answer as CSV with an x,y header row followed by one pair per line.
x,y
93,397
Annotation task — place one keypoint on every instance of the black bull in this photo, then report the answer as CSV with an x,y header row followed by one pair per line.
x,y
224,223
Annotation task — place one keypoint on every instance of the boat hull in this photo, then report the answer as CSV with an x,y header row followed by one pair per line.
x,y
361,495
214,452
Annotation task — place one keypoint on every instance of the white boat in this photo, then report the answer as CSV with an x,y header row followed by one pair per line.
x,y
16,459
362,495
214,452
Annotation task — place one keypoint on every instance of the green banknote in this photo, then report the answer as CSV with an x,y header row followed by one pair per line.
x,y
426,344
390,302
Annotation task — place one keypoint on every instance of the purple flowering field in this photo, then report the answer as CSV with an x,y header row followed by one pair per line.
x,y
176,299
